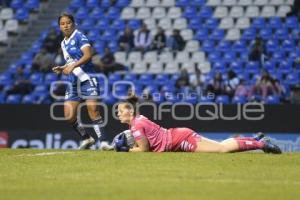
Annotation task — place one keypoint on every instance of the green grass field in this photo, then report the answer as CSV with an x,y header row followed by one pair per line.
x,y
83,175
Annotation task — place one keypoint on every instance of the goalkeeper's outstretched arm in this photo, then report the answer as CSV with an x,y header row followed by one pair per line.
x,y
142,145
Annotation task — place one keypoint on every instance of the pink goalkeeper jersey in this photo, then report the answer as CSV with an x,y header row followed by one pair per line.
x,y
159,138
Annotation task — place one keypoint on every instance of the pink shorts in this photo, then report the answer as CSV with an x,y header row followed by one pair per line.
x,y
184,139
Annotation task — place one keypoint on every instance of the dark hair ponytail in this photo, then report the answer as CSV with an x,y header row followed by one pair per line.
x,y
131,103
65,14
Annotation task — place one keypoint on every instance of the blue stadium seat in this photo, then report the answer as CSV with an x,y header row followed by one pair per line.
x,y
272,45
239,100
27,57
92,4
134,24
288,45
106,3
36,78
108,35
275,23
249,34
237,67
118,24
113,46
224,46
109,99
205,12
130,77
82,13
269,65
93,35
201,34
114,77
162,79
103,24
219,66
113,13
239,46
99,46
146,79
252,68
13,99
285,67
97,13
211,23
16,4
294,34
122,3
87,24
272,99
182,3
265,33
121,90
75,4
278,56
195,23
41,90
189,12
214,56
259,23
29,99
22,14
291,22
33,5
281,33
217,34
50,77
208,46
152,88
197,3
292,79
222,99
6,79
229,56
168,88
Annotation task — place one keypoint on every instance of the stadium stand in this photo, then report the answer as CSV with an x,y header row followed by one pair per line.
x,y
219,37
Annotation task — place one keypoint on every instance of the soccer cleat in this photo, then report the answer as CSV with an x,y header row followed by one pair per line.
x,y
258,136
269,147
87,143
104,146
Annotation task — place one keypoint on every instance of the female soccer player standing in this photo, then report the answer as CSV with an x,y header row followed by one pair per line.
x,y
77,53
151,137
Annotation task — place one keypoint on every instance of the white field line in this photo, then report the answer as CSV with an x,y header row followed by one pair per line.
x,y
45,153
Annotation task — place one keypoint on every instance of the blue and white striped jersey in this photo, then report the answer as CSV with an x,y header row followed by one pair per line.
x,y
71,48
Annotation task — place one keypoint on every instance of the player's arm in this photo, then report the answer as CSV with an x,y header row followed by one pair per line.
x,y
142,145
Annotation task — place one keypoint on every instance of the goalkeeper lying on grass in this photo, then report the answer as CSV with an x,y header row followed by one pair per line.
x,y
149,136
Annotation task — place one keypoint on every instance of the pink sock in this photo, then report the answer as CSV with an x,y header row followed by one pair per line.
x,y
248,144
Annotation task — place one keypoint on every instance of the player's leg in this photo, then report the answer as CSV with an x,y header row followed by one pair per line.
x,y
96,118
238,144
70,112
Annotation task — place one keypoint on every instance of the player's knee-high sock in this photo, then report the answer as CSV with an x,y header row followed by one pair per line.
x,y
99,130
80,130
248,144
